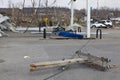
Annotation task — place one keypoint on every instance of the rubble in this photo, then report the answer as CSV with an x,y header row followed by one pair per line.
x,y
2,33
6,24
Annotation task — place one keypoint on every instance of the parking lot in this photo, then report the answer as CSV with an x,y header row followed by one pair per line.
x,y
14,65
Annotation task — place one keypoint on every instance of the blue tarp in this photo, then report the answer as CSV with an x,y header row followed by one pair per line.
x,y
71,35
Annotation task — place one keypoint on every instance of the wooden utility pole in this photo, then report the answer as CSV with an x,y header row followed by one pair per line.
x,y
50,64
100,63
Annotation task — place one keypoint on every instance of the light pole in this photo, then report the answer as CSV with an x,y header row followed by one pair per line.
x,y
88,18
72,15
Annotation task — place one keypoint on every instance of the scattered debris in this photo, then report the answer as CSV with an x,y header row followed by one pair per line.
x,y
59,37
99,63
26,57
6,24
71,35
2,33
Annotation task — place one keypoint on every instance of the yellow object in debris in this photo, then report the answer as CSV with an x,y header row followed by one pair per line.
x,y
45,19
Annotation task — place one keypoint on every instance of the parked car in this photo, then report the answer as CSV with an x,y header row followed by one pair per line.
x,y
108,23
102,24
97,25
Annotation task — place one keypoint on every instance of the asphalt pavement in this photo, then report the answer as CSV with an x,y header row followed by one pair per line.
x,y
18,51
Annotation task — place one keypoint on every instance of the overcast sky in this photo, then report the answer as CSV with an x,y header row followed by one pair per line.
x,y
64,3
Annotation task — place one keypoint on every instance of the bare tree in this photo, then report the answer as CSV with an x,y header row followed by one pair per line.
x,y
9,4
46,3
33,3
23,3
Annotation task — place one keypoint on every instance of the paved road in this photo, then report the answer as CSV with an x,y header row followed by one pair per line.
x,y
13,65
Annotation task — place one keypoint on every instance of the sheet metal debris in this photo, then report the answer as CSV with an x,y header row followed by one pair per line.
x,y
6,24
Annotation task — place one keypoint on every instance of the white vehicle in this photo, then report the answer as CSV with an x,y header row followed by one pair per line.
x,y
97,25
102,24
108,23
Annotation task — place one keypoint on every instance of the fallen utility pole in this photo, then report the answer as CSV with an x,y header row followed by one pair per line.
x,y
50,64
89,60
